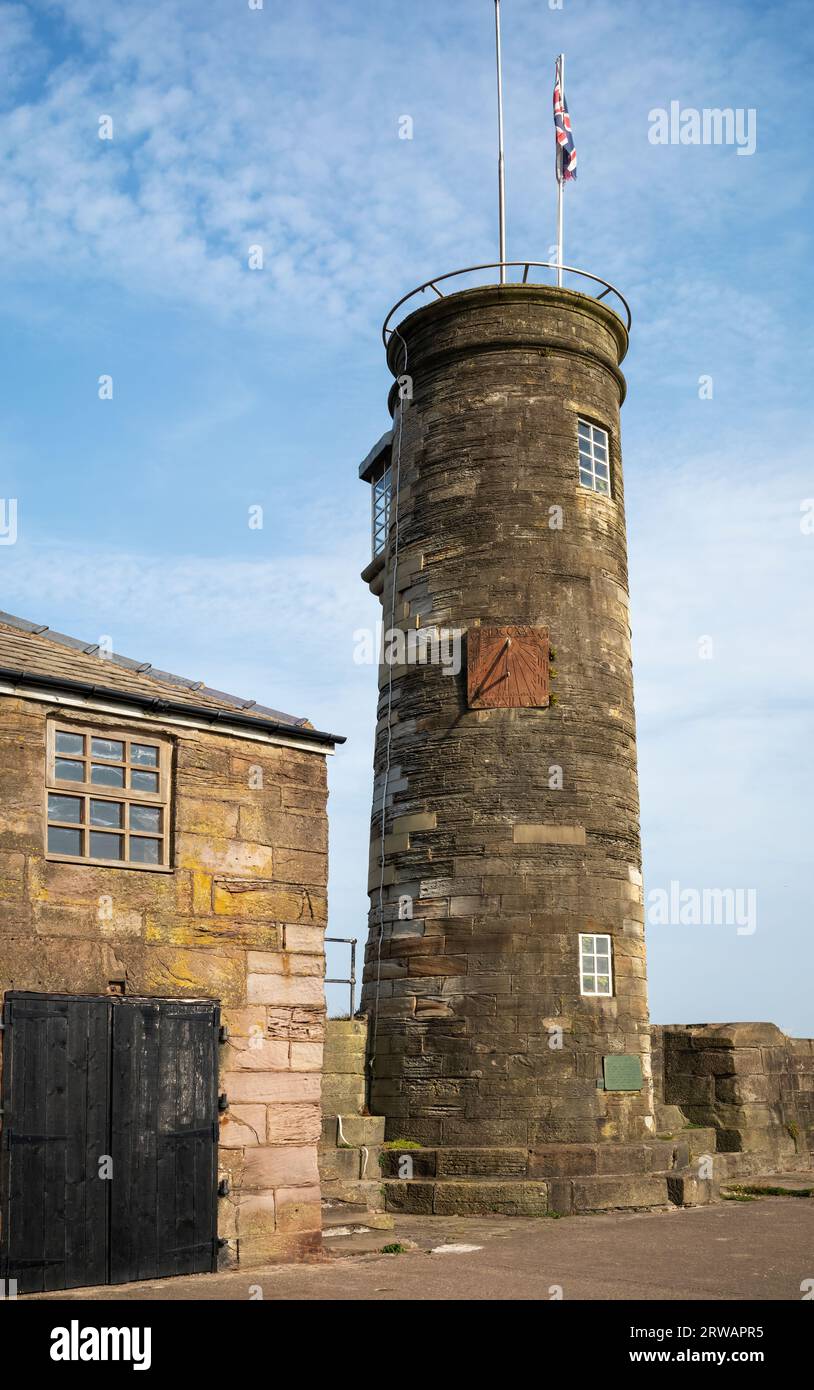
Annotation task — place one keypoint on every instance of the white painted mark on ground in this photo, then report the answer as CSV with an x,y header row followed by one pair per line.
x,y
455,1249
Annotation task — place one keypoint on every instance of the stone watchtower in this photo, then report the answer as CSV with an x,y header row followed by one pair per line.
x,y
505,968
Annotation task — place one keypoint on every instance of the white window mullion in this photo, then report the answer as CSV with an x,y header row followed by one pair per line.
x,y
594,457
595,965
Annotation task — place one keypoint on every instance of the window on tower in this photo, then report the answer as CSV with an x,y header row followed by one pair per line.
x,y
380,496
594,457
595,975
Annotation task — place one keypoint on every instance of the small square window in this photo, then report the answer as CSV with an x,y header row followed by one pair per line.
x,y
594,470
144,753
143,781
62,841
65,808
595,977
103,846
102,776
70,743
95,789
68,771
143,851
107,748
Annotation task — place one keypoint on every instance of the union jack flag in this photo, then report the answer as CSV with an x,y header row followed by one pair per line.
x,y
566,149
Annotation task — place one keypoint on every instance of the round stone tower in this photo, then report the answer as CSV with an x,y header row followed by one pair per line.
x,y
505,968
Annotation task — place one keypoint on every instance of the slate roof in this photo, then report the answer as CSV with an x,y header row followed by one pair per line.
x,y
31,650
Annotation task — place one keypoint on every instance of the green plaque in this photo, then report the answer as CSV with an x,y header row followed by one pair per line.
x,y
623,1072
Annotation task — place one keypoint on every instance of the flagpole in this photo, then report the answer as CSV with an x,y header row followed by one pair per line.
x,y
500,169
560,255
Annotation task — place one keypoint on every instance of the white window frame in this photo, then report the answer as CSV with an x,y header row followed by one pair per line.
x,y
588,949
380,494
593,444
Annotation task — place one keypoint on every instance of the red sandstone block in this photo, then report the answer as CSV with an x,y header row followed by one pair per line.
x,y
281,989
242,1126
293,1124
306,1056
298,1208
280,1166
250,1086
304,938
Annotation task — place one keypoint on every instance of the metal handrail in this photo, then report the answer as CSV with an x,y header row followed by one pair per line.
x,y
351,979
432,284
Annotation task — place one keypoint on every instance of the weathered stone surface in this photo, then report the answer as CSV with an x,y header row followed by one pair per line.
x,y
285,989
608,1192
293,1124
280,1166
271,1087
497,846
245,900
741,1082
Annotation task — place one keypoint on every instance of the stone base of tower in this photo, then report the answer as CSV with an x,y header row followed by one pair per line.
x,y
440,1084
731,1101
553,1180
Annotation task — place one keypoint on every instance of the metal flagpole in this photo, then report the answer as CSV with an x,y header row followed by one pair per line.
x,y
560,252
500,169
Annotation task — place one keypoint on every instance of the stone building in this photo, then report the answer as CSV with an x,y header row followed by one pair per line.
x,y
505,978
163,862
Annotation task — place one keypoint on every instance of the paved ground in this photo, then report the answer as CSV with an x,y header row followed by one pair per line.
x,y
761,1249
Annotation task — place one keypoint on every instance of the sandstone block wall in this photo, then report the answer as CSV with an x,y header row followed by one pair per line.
x,y
240,918
501,869
750,1081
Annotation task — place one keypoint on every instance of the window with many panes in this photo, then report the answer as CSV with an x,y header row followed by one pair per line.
x,y
108,797
380,498
595,971
594,457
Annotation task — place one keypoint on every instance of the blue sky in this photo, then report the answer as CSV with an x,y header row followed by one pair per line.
x,y
234,388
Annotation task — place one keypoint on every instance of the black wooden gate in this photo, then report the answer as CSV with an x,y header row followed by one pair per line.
x,y
109,1140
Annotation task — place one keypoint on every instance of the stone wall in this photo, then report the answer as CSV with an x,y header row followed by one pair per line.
x,y
750,1081
240,919
502,866
351,1136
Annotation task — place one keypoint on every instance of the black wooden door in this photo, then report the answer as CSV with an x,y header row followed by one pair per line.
x,y
109,1141
164,1128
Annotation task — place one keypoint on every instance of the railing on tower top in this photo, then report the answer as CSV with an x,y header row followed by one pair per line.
x,y
606,287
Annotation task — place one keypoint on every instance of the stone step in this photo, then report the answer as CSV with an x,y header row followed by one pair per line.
x,y
357,1130
368,1192
589,1160
559,1196
340,1217
549,1160
466,1197
494,1163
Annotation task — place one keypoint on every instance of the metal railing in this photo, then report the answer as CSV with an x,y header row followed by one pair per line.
x,y
607,287
350,979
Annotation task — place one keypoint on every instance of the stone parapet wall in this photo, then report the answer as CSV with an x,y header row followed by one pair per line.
x,y
750,1081
240,918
